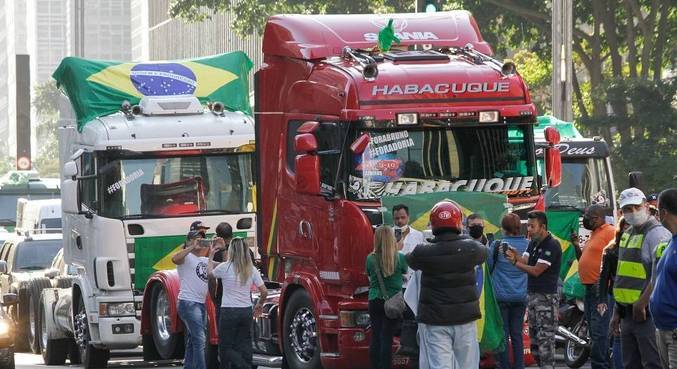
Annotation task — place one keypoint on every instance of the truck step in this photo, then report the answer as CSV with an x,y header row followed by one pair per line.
x,y
266,360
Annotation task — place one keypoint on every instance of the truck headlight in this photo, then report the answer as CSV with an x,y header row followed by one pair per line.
x,y
4,328
352,319
117,309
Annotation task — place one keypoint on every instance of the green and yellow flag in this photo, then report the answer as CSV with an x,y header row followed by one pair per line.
x,y
492,208
97,88
561,225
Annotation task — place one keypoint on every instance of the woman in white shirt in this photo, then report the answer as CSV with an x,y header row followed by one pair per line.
x,y
237,275
191,263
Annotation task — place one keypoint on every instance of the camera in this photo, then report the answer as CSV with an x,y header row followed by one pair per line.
x,y
504,246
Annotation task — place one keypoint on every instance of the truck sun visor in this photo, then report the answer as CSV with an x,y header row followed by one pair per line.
x,y
97,88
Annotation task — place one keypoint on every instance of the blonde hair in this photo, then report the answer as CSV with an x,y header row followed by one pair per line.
x,y
238,255
385,249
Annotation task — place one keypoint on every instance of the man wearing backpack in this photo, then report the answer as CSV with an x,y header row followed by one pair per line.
x,y
510,289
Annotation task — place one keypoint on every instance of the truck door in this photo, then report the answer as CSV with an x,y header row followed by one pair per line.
x,y
309,219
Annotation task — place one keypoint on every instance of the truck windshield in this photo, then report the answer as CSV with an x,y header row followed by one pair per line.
x,y
422,160
177,186
584,182
35,255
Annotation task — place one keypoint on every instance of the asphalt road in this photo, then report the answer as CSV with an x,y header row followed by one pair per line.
x,y
119,360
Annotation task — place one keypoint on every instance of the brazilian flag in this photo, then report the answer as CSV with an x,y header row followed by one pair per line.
x,y
561,225
492,208
97,88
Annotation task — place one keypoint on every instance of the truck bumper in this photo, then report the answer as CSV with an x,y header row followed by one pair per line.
x,y
353,351
119,332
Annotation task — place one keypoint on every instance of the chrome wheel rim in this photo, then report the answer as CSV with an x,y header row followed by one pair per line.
x,y
162,319
303,335
31,318
43,333
573,349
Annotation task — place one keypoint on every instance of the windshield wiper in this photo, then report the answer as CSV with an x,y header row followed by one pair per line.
x,y
564,207
32,267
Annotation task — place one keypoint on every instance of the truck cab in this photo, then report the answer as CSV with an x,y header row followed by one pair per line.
x,y
133,183
339,126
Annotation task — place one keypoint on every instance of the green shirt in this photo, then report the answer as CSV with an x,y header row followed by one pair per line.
x,y
392,283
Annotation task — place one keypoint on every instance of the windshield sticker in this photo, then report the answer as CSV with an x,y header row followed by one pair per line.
x,y
384,169
409,186
389,142
124,181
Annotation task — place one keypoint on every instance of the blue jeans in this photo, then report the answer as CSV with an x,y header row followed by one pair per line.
x,y
513,320
383,330
194,321
235,337
449,346
616,345
598,327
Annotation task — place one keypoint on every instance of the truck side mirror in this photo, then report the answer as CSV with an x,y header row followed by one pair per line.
x,y
553,158
308,174
10,299
69,196
3,267
70,169
305,143
360,144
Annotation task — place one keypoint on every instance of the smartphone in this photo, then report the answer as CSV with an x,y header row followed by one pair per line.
x,y
203,242
505,246
398,234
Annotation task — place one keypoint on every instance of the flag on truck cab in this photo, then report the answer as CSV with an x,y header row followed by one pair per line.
x,y
492,207
97,88
561,225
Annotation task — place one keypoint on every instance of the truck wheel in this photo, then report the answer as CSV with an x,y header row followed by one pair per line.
x,y
23,325
7,360
90,356
36,286
64,282
74,352
168,345
300,336
53,351
149,351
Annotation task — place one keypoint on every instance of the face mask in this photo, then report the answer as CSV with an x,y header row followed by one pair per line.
x,y
637,218
587,223
476,231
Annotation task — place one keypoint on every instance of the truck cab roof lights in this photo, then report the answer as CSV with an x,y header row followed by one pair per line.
x,y
368,63
415,55
407,119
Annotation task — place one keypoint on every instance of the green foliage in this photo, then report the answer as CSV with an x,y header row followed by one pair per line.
x,y
251,15
536,73
46,104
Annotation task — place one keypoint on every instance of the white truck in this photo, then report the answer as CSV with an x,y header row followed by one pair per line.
x,y
132,183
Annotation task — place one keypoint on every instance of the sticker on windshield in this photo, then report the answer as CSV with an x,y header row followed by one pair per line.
x,y
389,142
367,189
115,187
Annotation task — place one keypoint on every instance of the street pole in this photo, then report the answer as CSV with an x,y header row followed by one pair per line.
x,y
562,27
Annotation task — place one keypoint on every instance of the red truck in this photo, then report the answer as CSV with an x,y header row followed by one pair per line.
x,y
339,126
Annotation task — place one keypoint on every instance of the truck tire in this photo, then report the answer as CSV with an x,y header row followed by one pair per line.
x,y
53,351
300,336
7,361
91,357
149,351
23,325
64,282
36,285
73,352
168,345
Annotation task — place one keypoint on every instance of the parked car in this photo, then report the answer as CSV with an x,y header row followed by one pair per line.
x,y
27,257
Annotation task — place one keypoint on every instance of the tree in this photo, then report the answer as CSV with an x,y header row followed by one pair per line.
x,y
46,105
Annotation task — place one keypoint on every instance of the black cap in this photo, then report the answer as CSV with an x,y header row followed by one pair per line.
x,y
198,225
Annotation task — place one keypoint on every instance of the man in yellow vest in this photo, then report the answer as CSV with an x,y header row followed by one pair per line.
x,y
632,286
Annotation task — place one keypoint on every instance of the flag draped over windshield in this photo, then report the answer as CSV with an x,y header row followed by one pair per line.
x,y
492,208
97,88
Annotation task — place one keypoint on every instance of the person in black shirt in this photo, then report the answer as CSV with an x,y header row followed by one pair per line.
x,y
541,262
224,233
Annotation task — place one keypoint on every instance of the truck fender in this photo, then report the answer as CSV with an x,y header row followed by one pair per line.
x,y
312,285
49,300
169,280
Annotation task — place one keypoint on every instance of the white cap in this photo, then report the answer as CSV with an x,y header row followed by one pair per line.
x,y
631,196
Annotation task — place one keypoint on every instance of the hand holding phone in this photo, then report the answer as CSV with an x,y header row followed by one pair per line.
x,y
505,246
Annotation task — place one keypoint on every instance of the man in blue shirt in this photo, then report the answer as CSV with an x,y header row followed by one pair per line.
x,y
663,303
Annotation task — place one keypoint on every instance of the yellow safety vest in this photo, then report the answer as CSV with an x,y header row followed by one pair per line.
x,y
660,249
631,275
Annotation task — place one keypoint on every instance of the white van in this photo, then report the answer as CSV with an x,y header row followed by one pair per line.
x,y
38,216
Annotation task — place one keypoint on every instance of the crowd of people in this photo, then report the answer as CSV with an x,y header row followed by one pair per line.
x,y
629,273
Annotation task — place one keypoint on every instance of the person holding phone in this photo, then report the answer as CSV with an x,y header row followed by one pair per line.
x,y
510,288
191,264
